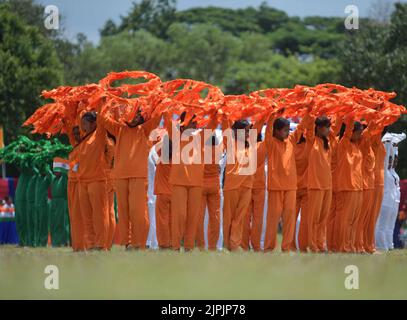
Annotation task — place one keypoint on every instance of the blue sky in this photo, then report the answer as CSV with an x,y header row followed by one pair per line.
x,y
88,16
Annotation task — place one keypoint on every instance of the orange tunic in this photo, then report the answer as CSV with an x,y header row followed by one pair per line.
x,y
259,180
73,158
334,163
92,164
234,179
212,170
301,162
379,153
368,162
132,147
319,163
161,180
282,170
187,174
349,167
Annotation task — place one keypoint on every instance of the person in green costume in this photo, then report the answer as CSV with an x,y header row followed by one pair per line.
x,y
31,221
41,209
59,216
31,199
20,204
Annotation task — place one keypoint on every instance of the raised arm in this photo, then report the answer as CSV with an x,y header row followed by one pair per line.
x,y
258,125
306,122
269,129
168,124
336,126
106,120
151,124
349,122
226,124
309,124
69,132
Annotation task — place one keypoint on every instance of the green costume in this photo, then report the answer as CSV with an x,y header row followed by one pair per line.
x,y
33,158
41,210
20,203
59,216
31,216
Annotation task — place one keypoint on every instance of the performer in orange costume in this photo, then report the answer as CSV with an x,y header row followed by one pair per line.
x,y
350,186
253,221
282,181
163,190
237,187
210,200
75,217
130,175
186,178
93,185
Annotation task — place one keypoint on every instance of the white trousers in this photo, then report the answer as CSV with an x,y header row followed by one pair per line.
x,y
385,226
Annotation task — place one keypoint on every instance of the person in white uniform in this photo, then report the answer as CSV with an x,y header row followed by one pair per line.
x,y
152,242
397,138
391,200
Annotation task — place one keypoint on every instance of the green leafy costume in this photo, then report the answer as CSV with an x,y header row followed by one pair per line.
x,y
32,211
59,215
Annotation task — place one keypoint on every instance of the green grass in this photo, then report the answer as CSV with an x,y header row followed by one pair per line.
x,y
198,275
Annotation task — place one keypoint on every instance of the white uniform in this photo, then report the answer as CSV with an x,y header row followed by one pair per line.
x,y
395,210
391,199
152,242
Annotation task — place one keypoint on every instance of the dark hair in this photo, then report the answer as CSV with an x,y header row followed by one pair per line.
x,y
302,139
240,124
323,122
184,114
215,140
90,116
259,137
280,123
342,131
356,127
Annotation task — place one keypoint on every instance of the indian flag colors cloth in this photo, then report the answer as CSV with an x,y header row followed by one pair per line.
x,y
60,165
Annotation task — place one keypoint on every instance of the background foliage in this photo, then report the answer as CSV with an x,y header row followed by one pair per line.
x,y
239,50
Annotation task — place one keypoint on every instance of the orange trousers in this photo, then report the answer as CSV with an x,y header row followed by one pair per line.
x,y
210,199
253,222
163,220
371,223
185,211
75,217
361,241
301,205
348,208
319,205
112,219
94,207
281,204
330,225
133,217
235,206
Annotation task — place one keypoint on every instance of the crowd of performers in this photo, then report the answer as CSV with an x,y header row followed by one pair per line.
x,y
330,169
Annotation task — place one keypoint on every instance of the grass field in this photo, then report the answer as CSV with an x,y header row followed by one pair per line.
x,y
198,275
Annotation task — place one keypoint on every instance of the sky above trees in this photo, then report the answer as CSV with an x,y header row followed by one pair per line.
x,y
88,16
